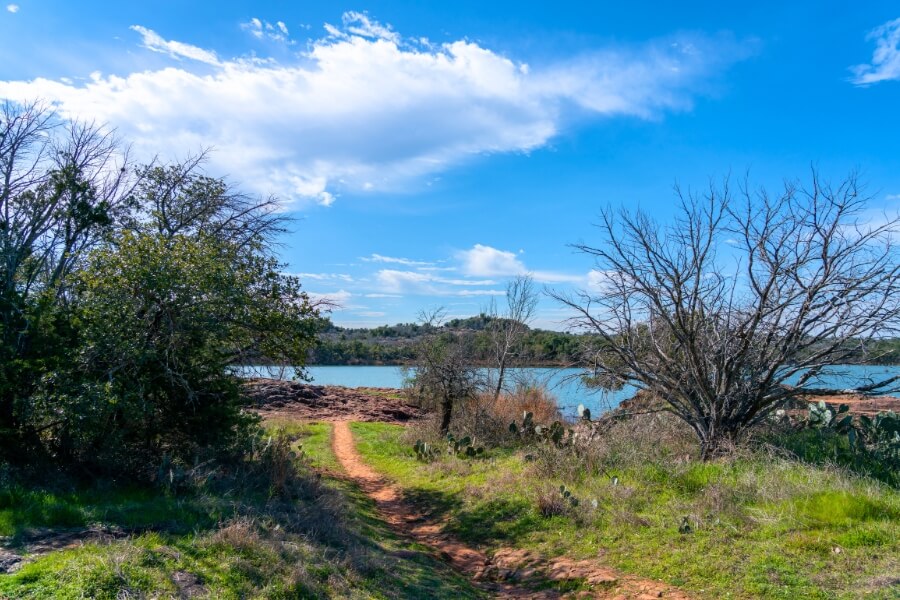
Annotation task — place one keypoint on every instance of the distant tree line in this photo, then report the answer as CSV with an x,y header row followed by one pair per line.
x,y
396,344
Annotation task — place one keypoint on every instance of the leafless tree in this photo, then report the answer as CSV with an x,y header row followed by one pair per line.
x,y
62,185
443,373
506,330
180,199
744,302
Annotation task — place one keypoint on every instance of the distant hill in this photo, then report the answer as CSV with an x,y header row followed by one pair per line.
x,y
395,344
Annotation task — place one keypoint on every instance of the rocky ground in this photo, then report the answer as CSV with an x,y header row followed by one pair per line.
x,y
297,400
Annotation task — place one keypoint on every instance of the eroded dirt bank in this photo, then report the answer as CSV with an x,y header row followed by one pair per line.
x,y
296,400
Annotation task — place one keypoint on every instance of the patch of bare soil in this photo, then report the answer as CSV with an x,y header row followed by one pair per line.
x,y
862,405
859,404
508,573
39,542
296,400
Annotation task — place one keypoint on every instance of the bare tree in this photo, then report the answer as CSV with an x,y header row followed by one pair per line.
x,y
63,183
506,330
744,302
180,199
443,373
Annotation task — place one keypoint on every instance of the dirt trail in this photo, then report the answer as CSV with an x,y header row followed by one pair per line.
x,y
506,574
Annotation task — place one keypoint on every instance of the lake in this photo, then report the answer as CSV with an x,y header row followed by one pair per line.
x,y
565,384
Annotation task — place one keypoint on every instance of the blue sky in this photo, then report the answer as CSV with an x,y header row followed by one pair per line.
x,y
431,151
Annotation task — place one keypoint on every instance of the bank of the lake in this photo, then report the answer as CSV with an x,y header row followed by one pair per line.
x,y
565,384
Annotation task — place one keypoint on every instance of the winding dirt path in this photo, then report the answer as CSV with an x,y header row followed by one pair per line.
x,y
493,575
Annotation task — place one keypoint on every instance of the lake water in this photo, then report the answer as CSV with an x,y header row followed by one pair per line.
x,y
565,384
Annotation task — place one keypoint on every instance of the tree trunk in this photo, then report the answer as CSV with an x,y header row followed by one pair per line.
x,y
500,375
446,414
715,442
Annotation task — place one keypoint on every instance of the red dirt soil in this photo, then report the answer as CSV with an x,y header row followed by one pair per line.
x,y
508,573
295,400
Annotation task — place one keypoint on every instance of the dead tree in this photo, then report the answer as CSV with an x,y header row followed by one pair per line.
x,y
743,302
507,330
443,373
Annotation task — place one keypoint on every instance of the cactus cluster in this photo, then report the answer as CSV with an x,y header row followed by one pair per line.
x,y
424,451
823,415
567,496
878,436
463,447
555,433
584,413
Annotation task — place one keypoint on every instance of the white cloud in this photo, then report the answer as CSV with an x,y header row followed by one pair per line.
x,y
364,108
356,23
326,276
339,299
885,63
394,281
378,258
892,197
13,8
154,41
264,30
485,261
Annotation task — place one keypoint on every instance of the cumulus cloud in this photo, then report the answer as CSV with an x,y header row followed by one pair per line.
x,y
155,42
365,109
485,261
13,8
885,63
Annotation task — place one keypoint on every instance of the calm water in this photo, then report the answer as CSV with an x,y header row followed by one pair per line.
x,y
565,384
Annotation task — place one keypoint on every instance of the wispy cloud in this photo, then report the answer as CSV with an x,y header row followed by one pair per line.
x,y
366,109
260,29
394,281
13,8
326,277
154,41
885,64
359,24
339,299
379,258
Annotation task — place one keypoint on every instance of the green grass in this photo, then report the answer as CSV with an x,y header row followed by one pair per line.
x,y
325,543
760,527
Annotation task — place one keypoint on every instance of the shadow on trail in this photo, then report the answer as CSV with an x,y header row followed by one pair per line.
x,y
504,520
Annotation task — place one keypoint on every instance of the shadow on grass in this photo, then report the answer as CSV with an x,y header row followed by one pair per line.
x,y
501,520
333,517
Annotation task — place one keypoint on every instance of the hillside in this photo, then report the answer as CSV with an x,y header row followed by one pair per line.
x,y
395,344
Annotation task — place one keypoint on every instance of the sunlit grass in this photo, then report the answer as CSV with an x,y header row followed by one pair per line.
x,y
228,545
759,526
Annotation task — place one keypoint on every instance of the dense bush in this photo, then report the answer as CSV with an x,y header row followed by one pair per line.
x,y
127,295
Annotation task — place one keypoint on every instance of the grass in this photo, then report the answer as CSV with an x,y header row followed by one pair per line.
x,y
324,542
760,526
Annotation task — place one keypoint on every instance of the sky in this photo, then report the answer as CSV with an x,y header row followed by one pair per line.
x,y
429,152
